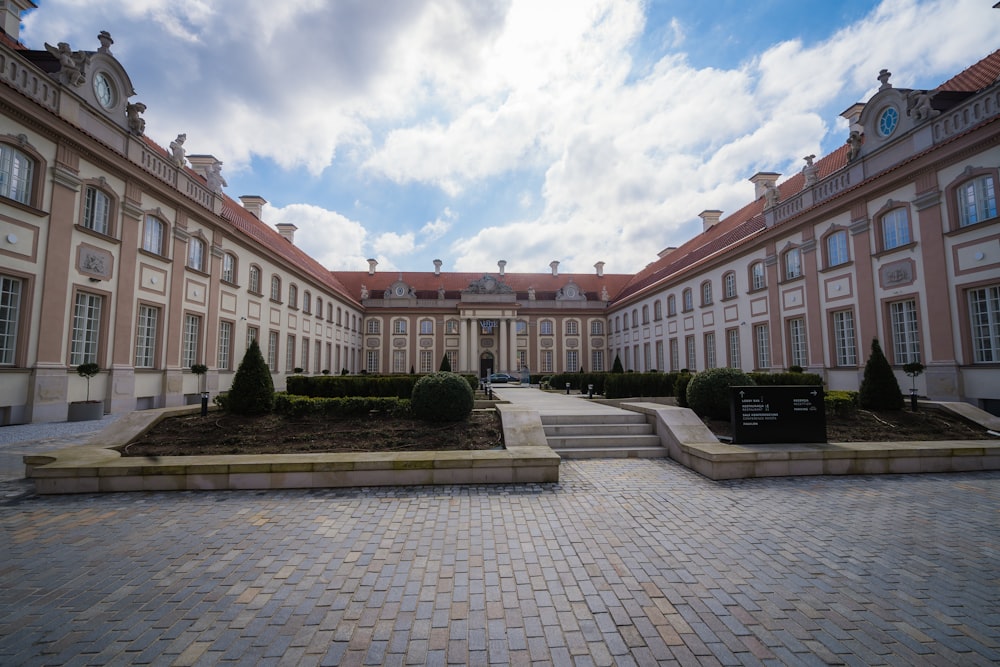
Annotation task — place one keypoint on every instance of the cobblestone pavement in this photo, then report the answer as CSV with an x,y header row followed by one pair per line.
x,y
623,562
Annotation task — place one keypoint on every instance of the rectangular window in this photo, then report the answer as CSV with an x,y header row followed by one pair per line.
x,y
692,353
426,327
843,337
453,360
660,366
895,229
730,285
647,357
290,354
10,314
521,328
733,348
426,361
145,337
224,361
228,268
757,276
710,350
546,361
763,341
189,344
451,327
675,355
305,355
545,328
905,333
272,351
572,361
96,211
596,328
596,361
984,320
318,357
251,335
399,326
373,326
797,342
86,329
152,235
371,361
977,201
399,361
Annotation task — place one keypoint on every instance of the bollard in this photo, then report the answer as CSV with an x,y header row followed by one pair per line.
x,y
913,399
590,391
567,388
204,404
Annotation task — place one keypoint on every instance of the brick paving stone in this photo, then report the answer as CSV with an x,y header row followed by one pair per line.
x,y
622,562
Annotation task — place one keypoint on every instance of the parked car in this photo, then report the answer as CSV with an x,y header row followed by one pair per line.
x,y
497,378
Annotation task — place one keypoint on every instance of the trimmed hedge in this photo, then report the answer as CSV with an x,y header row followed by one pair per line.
x,y
399,386
635,385
291,405
768,379
708,392
578,381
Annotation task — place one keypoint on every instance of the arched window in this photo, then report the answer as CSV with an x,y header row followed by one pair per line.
x,y
97,206
671,305
426,327
254,286
374,326
645,314
894,228
657,310
17,172
729,285
293,296
706,293
196,254
319,306
635,317
977,200
793,263
307,301
758,280
229,268
275,288
836,248
688,299
153,235
572,328
545,327
399,326
625,320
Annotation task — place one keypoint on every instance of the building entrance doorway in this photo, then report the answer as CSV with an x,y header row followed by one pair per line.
x,y
486,365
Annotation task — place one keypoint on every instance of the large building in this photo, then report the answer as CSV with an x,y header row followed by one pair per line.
x,y
118,251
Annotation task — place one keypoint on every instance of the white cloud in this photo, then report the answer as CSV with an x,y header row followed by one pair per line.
x,y
334,241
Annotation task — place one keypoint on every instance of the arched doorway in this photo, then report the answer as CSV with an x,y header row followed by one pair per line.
x,y
486,364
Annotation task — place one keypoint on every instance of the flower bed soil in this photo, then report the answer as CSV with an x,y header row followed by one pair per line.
x,y
222,433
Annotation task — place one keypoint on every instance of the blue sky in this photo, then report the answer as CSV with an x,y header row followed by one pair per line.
x,y
524,130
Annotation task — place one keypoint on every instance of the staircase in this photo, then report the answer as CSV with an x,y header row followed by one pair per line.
x,y
602,436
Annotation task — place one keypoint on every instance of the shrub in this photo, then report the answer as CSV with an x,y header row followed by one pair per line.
x,y
795,369
680,388
879,389
579,381
626,385
442,397
354,406
708,392
252,392
840,403
617,366
790,377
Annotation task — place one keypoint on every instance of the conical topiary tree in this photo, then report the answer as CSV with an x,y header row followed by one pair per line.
x,y
252,392
879,389
617,366
445,365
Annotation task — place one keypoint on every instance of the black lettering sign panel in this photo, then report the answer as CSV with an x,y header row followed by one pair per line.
x,y
777,414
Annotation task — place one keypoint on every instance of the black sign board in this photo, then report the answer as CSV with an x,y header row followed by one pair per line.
x,y
775,414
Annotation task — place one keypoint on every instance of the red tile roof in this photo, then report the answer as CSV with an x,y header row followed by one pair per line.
x,y
975,78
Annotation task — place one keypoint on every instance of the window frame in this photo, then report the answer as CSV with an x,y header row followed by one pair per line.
x,y
275,288
706,293
191,339
195,259
970,178
230,268
254,280
988,331
546,328
32,190
903,320
87,220
657,310
730,289
830,260
94,339
399,326
687,300
787,265
798,342
373,326
224,351
151,222
733,351
758,276
845,352
426,327
671,305
893,212
146,352
307,302
762,346
572,327
293,296
14,331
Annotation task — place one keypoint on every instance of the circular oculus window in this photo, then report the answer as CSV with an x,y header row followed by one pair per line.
x,y
887,121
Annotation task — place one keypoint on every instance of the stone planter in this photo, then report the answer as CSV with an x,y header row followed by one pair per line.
x,y
85,411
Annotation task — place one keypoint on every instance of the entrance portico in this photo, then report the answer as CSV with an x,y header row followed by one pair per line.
x,y
492,331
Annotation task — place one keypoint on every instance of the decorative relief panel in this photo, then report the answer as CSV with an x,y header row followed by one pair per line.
x,y
96,262
974,257
897,274
155,280
18,240
597,343
399,342
572,343
838,288
547,343
793,298
426,342
195,292
486,342
372,342
451,342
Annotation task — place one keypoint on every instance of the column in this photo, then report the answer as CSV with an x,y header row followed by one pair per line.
x,y
501,358
463,346
512,345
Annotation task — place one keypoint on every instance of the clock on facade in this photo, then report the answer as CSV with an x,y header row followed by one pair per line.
x,y
887,121
104,90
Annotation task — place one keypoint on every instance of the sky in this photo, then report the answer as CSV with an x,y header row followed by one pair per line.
x,y
523,130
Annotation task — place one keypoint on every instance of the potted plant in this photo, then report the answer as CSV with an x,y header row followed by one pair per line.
x,y
86,410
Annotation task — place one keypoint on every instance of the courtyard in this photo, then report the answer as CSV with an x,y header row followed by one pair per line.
x,y
621,562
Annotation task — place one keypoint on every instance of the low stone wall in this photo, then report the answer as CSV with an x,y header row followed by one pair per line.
x,y
98,467
690,443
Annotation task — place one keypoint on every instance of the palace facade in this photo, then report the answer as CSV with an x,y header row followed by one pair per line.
x,y
118,251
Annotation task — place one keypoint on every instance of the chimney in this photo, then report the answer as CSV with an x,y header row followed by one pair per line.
x,y
600,269
666,251
853,116
760,181
709,219
254,204
287,231
437,267
372,263
502,263
10,16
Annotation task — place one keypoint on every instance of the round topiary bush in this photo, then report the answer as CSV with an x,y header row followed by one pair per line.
x,y
442,397
708,392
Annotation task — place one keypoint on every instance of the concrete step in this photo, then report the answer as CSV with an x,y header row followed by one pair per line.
x,y
564,430
611,418
616,453
559,443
